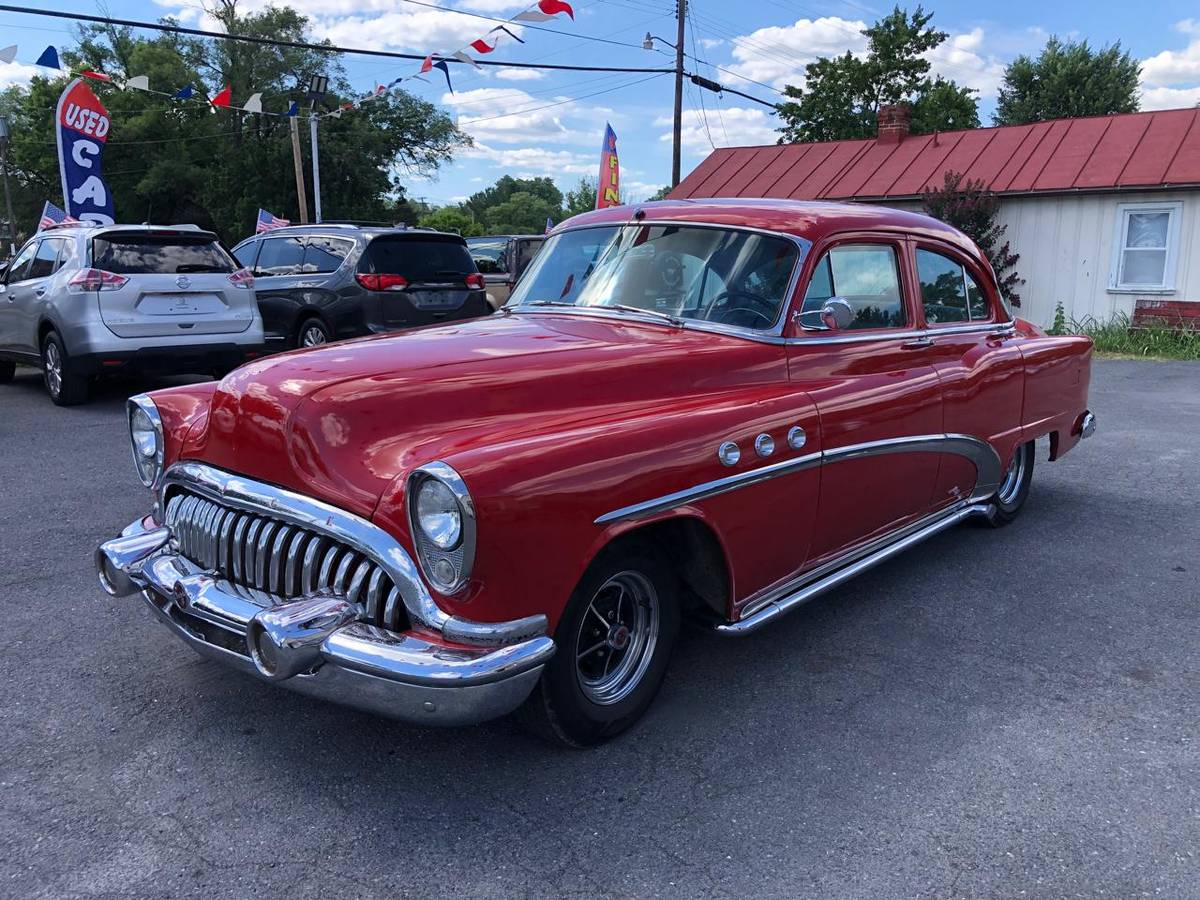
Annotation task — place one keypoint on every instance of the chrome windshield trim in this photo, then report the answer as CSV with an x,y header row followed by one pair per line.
x,y
603,312
772,335
903,334
354,531
981,453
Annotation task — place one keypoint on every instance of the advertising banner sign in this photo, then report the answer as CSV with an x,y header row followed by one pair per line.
x,y
82,125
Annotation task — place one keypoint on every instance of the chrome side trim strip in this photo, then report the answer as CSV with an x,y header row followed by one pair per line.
x,y
353,531
981,453
846,568
850,337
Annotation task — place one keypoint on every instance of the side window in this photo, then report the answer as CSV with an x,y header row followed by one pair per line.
x,y
948,292
65,254
280,256
45,258
867,277
325,254
245,254
19,269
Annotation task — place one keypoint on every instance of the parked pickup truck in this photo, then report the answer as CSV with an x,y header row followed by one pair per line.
x,y
503,258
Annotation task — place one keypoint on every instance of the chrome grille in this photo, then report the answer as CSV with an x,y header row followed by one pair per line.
x,y
257,551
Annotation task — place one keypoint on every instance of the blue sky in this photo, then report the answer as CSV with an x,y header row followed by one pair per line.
x,y
550,123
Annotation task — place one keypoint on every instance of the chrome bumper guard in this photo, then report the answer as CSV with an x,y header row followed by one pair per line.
x,y
316,645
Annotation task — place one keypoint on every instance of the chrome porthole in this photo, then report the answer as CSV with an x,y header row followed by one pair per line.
x,y
729,454
616,639
796,437
764,445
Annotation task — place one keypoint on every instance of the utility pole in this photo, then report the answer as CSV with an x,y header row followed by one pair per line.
x,y
312,128
11,230
680,15
298,164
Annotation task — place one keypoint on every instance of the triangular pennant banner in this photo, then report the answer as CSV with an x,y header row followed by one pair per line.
x,y
293,108
98,76
466,58
509,33
532,15
49,59
223,97
185,92
554,7
253,104
441,64
427,64
8,54
482,46
139,83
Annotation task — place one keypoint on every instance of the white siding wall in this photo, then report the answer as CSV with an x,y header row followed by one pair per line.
x,y
1065,243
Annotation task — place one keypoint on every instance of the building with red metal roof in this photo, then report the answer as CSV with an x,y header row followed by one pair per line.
x,y
1104,211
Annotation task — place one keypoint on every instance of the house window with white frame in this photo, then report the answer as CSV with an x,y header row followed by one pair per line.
x,y
1145,247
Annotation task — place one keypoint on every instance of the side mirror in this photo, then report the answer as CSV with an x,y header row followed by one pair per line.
x,y
837,314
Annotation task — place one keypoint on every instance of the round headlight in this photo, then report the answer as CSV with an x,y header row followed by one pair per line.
x,y
146,437
439,514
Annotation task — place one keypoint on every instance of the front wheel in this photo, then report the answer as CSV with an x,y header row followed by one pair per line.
x,y
614,642
1014,486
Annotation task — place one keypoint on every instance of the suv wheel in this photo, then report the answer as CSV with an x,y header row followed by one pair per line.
x,y
64,386
312,333
7,370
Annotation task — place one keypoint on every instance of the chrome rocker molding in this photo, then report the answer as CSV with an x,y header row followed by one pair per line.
x,y
363,536
768,608
317,646
981,453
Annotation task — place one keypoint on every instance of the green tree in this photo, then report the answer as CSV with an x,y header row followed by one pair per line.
x,y
174,161
452,218
506,187
661,193
973,210
521,213
581,198
1068,79
842,95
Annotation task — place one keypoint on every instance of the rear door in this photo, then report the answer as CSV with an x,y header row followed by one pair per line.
x,y
434,269
176,283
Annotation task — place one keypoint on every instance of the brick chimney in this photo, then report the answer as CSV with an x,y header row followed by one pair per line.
x,y
895,120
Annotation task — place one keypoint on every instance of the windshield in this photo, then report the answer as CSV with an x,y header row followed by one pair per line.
x,y
689,272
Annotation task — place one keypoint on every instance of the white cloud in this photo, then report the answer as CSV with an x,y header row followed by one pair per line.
x,y
18,73
1169,98
520,74
1175,67
742,127
959,59
709,44
532,162
493,6
509,115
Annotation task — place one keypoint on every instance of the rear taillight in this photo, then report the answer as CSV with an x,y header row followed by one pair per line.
x,y
95,280
475,281
373,282
242,278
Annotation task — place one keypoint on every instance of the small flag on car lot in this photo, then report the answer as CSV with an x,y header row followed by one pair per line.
x,y
52,215
549,224
269,222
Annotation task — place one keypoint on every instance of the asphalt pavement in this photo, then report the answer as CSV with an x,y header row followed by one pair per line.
x,y
994,714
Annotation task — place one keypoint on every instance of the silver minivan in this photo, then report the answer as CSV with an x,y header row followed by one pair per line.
x,y
81,300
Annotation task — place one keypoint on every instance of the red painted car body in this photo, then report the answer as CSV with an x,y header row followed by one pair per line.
x,y
570,427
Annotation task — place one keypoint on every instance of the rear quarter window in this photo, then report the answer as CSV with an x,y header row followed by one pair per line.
x,y
419,259
137,254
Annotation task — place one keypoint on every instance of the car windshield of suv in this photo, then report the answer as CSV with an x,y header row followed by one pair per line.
x,y
141,254
709,274
419,259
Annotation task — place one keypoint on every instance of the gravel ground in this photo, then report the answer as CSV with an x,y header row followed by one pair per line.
x,y
996,713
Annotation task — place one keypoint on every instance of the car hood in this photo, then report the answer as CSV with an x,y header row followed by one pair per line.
x,y
342,421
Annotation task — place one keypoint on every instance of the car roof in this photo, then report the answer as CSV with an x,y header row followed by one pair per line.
x,y
92,227
347,230
812,220
494,237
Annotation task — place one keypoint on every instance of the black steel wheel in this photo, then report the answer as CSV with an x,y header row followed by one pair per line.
x,y
614,642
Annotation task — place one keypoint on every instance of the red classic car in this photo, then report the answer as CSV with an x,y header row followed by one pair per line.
x,y
713,409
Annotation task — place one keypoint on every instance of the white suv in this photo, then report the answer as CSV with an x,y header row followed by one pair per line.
x,y
82,300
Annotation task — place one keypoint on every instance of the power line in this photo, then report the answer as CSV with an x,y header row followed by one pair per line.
x,y
475,15
324,48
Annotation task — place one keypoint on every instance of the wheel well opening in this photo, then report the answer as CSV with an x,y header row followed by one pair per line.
x,y
44,328
696,556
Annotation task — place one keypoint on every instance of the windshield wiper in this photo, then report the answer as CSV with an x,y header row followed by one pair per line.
x,y
548,303
674,320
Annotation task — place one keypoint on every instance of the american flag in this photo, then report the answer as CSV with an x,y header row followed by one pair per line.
x,y
268,222
549,225
52,215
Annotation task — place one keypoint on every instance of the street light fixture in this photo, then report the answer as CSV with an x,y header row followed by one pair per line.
x,y
649,39
677,130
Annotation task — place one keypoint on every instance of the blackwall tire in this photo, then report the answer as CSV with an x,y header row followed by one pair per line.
x,y
312,333
7,371
64,386
614,641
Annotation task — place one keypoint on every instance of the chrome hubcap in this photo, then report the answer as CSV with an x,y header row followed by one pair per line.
x,y
53,369
1012,478
617,637
312,336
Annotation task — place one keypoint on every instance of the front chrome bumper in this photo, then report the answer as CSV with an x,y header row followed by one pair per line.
x,y
317,645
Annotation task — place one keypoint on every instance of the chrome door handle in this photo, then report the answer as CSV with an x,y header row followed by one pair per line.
x,y
918,343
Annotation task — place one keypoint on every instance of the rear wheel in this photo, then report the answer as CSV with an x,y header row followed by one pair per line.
x,y
1014,486
65,387
614,642
7,371
312,333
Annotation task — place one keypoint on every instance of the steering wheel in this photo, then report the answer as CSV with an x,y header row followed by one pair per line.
x,y
743,309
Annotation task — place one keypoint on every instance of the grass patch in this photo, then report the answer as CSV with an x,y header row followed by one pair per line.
x,y
1118,338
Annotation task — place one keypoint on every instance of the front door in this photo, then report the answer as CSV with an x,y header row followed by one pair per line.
x,y
876,396
18,290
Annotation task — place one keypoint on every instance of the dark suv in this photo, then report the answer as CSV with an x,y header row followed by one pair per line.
x,y
320,283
